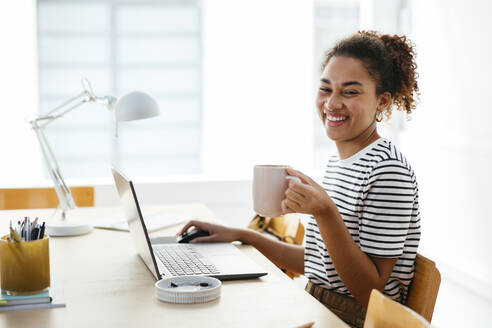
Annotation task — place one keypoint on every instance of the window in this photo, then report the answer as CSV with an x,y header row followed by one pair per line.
x,y
121,46
333,20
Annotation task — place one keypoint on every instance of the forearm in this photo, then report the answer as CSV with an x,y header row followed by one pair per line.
x,y
355,268
287,256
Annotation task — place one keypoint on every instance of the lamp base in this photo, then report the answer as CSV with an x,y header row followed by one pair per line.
x,y
67,228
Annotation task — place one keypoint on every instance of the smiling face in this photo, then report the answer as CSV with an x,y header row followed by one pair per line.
x,y
347,102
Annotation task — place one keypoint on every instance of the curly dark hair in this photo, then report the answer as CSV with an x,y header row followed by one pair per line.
x,y
389,60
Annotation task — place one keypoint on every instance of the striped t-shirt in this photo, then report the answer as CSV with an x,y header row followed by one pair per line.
x,y
376,194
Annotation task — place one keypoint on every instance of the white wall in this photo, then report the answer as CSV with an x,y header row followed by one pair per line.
x,y
380,15
258,84
258,96
20,161
448,139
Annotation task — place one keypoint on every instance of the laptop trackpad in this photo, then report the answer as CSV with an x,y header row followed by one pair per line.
x,y
227,257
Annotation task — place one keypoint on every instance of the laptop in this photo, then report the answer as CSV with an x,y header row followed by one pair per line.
x,y
167,259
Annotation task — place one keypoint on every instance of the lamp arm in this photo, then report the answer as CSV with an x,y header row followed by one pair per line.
x,y
39,123
60,111
62,191
83,95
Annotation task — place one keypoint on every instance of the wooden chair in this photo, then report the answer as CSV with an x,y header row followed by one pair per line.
x,y
382,312
20,198
424,288
287,228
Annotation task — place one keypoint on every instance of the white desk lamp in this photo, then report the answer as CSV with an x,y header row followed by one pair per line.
x,y
133,106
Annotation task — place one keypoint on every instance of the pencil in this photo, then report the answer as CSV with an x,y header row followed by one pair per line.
x,y
15,235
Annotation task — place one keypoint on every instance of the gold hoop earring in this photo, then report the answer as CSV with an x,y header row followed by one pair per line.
x,y
379,116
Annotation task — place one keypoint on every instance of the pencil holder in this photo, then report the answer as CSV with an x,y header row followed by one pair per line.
x,y
24,266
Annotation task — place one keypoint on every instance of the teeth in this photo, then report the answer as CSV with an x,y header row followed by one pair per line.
x,y
336,118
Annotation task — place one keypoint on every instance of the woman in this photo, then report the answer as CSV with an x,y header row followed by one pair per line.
x,y
365,226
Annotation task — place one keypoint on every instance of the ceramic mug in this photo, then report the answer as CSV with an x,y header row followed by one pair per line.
x,y
269,186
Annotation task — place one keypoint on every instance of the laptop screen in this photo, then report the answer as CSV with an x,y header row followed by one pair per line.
x,y
133,216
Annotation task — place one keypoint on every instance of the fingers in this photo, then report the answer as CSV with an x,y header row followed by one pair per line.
x,y
292,205
284,208
307,188
193,223
302,189
294,195
289,206
185,228
304,178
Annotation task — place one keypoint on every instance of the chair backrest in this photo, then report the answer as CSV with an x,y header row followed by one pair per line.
x,y
424,288
382,312
287,228
20,198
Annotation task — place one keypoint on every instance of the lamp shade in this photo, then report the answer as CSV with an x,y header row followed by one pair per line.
x,y
135,105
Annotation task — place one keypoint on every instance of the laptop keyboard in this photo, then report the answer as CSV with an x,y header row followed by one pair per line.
x,y
183,260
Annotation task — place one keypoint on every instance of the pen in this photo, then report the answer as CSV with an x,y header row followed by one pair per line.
x,y
28,230
35,233
22,230
11,237
26,223
33,224
41,232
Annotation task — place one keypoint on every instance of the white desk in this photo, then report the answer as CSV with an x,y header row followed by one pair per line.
x,y
107,285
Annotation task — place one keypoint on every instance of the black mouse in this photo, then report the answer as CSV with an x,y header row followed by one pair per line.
x,y
189,236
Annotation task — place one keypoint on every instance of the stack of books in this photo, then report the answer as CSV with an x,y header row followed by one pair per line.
x,y
47,299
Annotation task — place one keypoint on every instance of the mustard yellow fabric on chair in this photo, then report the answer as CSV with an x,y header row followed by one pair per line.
x,y
287,228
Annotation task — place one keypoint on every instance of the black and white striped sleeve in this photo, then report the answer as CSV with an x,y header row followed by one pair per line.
x,y
387,209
